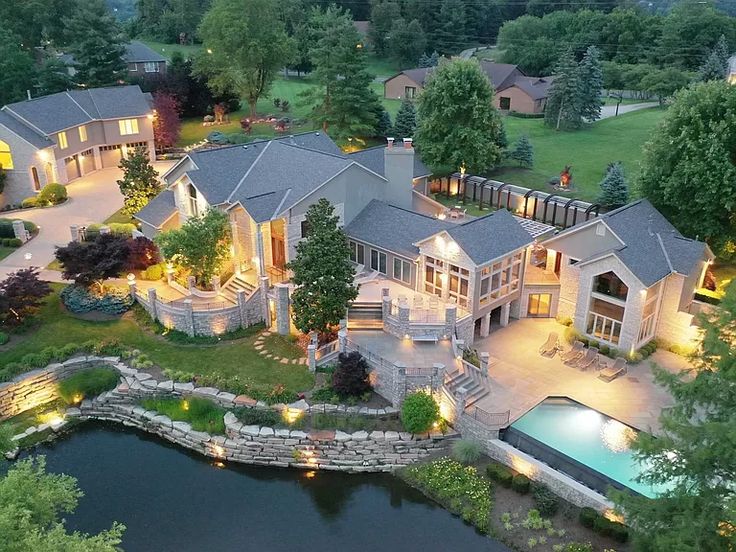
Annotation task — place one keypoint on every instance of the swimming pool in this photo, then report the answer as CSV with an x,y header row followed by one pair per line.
x,y
560,429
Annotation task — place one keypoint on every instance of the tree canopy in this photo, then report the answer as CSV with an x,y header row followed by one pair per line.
x,y
689,166
139,183
458,125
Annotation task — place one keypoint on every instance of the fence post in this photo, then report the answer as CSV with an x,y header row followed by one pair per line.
x,y
189,317
312,357
460,400
342,338
282,308
152,299
75,232
131,289
19,231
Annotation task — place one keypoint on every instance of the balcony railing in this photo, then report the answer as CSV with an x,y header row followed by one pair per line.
x,y
604,328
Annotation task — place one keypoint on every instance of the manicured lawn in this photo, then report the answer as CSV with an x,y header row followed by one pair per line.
x,y
167,50
472,208
58,328
282,346
588,151
119,217
5,251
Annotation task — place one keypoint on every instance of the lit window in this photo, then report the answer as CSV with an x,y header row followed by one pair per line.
x,y
128,126
6,159
151,67
63,144
498,280
83,133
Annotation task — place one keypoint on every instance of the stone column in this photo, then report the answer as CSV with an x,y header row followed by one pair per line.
x,y
312,357
19,231
191,282
450,319
75,232
244,318
263,285
485,325
385,307
216,283
404,318
188,318
169,275
505,312
152,300
282,308
460,399
343,323
342,340
398,392
439,378
260,251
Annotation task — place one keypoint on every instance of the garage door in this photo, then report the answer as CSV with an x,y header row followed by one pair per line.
x,y
87,161
111,156
72,168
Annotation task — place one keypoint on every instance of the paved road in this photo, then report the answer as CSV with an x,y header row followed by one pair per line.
x,y
92,198
610,110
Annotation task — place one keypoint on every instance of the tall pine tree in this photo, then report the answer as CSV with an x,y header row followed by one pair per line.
x,y
97,43
384,13
614,191
563,109
523,152
590,85
450,36
406,120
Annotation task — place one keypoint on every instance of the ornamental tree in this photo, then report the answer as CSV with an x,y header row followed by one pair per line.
x,y
167,123
523,152
614,191
201,245
21,295
350,378
688,169
458,125
95,261
322,272
694,457
140,183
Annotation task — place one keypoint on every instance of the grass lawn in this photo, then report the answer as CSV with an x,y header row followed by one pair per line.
x,y
282,346
472,208
588,151
58,328
5,251
119,217
167,50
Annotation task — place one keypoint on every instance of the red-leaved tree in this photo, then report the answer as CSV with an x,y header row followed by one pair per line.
x,y
166,124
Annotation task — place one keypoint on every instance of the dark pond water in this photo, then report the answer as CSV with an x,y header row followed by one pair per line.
x,y
170,499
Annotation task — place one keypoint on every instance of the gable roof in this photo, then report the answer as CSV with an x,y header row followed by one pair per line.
x,y
534,87
137,52
56,112
373,159
652,248
160,209
27,133
500,74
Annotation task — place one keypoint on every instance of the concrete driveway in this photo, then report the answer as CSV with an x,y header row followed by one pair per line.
x,y
92,198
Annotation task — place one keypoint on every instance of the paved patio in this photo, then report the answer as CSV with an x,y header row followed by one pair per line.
x,y
521,378
404,350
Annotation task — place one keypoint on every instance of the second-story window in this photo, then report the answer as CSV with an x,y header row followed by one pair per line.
x,y
128,126
83,133
193,204
63,144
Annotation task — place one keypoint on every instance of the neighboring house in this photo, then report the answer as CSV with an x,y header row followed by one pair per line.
x,y
143,60
64,136
514,91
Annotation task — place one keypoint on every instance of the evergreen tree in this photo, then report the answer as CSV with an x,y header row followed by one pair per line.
x,y
431,60
614,191
343,101
563,109
713,68
383,126
457,123
53,76
523,152
406,120
139,183
384,13
450,35
16,68
407,42
97,44
693,460
423,60
591,84
322,272
722,50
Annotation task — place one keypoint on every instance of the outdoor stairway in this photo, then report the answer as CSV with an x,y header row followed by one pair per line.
x,y
365,316
461,377
230,291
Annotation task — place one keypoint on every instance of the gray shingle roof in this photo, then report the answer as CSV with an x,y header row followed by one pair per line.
x,y
138,52
491,236
27,133
652,248
158,210
373,159
60,111
393,229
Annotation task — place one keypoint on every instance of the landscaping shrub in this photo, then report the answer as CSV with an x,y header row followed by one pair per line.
x,y
124,229
520,483
325,395
29,203
564,320
142,254
587,517
547,502
79,299
458,488
154,272
707,298
4,338
6,228
201,414
87,383
607,528
13,242
30,227
258,416
499,472
350,378
418,412
571,334
52,194
466,451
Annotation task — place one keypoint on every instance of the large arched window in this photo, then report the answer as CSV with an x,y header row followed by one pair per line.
x,y
6,158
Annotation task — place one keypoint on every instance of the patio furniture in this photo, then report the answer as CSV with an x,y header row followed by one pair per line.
x,y
551,346
589,360
575,352
618,368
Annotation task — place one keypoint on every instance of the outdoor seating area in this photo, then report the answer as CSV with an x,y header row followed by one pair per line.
x,y
582,358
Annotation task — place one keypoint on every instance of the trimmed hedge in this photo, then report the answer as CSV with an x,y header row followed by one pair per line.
x,y
87,383
29,202
711,300
80,300
547,502
520,115
6,228
591,519
52,194
520,483
124,229
418,412
500,473
12,242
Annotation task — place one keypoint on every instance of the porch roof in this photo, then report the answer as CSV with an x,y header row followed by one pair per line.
x,y
160,209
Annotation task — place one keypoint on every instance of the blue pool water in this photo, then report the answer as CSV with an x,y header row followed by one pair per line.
x,y
593,439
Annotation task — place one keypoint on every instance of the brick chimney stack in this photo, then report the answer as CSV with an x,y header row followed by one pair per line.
x,y
399,171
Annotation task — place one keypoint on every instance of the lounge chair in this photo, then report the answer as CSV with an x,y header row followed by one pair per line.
x,y
575,352
589,360
551,346
618,368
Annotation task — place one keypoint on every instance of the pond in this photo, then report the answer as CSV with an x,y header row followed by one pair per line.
x,y
171,499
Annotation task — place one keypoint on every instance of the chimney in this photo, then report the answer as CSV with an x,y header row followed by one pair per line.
x,y
399,171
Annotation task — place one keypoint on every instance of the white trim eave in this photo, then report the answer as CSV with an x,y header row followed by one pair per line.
x,y
34,146
180,162
607,254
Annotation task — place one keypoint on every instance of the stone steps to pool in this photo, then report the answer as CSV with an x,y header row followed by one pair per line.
x,y
459,378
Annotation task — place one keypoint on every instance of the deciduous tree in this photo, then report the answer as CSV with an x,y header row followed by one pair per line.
x,y
167,123
21,294
614,190
458,125
322,272
407,42
245,45
140,183
384,13
16,68
93,262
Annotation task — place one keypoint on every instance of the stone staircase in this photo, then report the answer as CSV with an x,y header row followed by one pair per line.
x,y
471,379
365,316
237,283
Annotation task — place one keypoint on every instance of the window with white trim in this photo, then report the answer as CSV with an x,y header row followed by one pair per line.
x,y
500,279
434,273
128,126
459,283
61,138
83,133
6,156
402,270
378,261
193,203
151,67
357,252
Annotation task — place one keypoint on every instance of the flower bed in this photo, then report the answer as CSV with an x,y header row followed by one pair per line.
x,y
80,300
456,487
